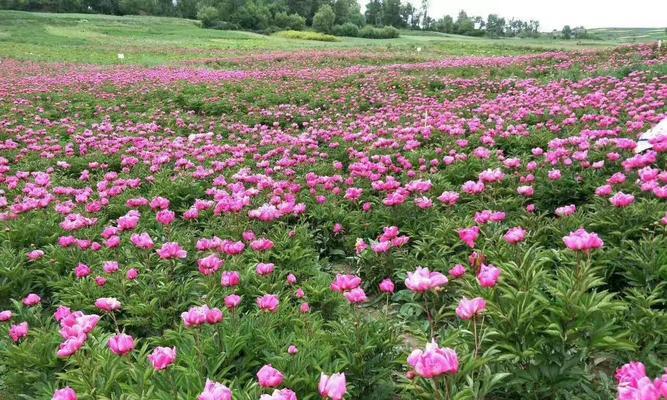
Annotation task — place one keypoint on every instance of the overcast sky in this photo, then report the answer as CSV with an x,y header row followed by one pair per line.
x,y
554,14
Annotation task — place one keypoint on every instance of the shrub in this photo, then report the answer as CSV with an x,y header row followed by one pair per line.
x,y
292,21
208,16
370,32
346,29
307,36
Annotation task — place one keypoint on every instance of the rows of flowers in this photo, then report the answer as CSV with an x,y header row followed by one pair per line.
x,y
460,229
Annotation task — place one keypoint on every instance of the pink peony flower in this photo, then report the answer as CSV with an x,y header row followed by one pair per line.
x,y
230,279
261,244
66,393
449,198
422,280
631,373
469,235
283,394
142,241
32,300
18,332
165,217
232,301
35,255
61,313
108,304
457,271
172,251
333,387
621,200
381,247
387,286
209,265
5,315
604,191
132,274
71,345
268,303
356,296
434,361
292,350
580,240
121,344
265,269
488,276
515,235
344,283
269,377
468,309
215,391
566,211
82,270
526,191
110,267
214,316
195,316
162,357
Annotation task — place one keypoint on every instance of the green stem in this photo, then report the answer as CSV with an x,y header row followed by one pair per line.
x,y
474,330
428,313
447,393
200,356
173,383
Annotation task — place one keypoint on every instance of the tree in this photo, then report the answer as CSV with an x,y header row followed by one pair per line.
x,y
391,12
534,26
426,20
463,24
187,8
356,17
292,21
495,26
324,19
567,32
580,32
448,24
407,15
300,7
342,9
374,12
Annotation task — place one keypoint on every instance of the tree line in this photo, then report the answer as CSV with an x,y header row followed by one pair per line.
x,y
493,26
339,17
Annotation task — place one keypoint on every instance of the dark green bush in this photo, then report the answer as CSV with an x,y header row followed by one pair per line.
x,y
346,29
370,32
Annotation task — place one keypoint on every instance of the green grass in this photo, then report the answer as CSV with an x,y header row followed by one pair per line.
x,y
97,39
629,35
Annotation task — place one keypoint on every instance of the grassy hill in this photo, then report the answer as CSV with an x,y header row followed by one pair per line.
x,y
91,38
629,35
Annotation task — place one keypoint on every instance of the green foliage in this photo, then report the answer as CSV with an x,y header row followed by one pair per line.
x,y
208,16
292,21
324,19
347,29
321,37
370,32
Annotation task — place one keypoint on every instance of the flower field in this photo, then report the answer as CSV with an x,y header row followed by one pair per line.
x,y
308,226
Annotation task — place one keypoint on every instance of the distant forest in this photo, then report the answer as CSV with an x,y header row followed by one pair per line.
x,y
382,18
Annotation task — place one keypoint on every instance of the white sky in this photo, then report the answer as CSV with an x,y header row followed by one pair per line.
x,y
553,14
